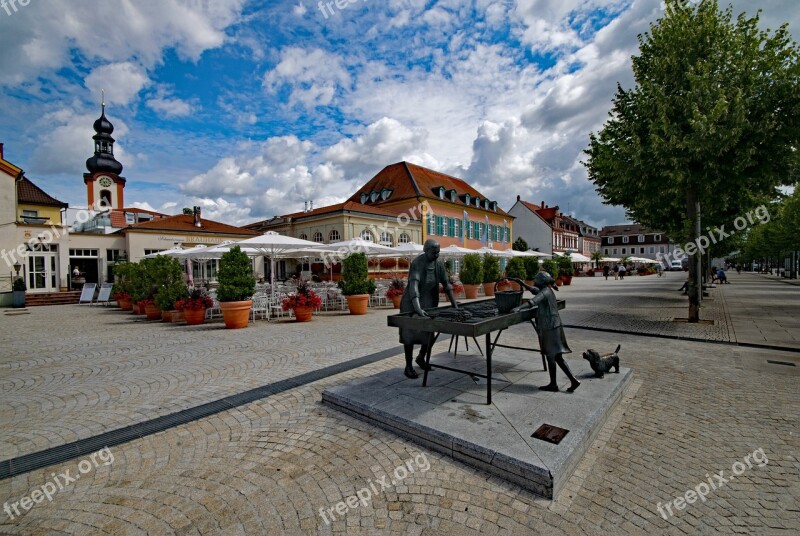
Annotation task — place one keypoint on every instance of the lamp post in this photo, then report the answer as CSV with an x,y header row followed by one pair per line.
x,y
18,288
17,267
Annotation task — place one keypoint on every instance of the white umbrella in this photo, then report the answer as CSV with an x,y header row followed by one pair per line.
x,y
409,249
496,252
574,257
168,253
644,260
529,253
610,259
357,245
274,245
455,251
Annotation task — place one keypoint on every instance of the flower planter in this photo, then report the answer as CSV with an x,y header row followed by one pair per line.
x,y
566,280
488,289
236,314
194,317
396,301
471,291
303,314
125,305
357,303
176,316
152,311
18,297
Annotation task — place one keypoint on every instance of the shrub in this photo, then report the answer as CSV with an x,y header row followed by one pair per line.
x,y
520,244
471,269
531,267
355,277
197,299
236,281
396,288
491,268
167,274
565,266
304,296
551,267
516,268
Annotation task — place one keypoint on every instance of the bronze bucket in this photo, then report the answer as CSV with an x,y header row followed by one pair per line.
x,y
507,299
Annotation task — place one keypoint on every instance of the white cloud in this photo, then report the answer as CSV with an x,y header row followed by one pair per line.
x,y
313,76
171,107
122,82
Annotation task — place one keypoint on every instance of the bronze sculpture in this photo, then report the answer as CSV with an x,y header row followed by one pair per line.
x,y
422,292
550,329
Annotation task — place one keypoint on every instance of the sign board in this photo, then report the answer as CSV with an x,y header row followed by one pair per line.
x,y
87,294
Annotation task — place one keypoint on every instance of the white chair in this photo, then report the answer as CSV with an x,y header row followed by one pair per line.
x,y
260,307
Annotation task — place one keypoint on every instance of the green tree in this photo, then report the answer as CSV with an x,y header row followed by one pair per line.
x,y
520,244
596,256
712,123
236,281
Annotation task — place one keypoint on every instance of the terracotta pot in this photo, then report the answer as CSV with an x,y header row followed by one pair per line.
x,y
303,314
488,289
135,308
152,311
357,303
566,279
236,314
125,305
166,316
177,316
471,292
396,301
194,317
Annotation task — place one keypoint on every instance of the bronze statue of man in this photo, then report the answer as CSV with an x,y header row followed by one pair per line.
x,y
551,331
422,292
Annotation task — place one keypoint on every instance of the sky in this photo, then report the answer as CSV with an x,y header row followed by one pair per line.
x,y
249,108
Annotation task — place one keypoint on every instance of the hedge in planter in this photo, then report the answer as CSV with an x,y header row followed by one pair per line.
x,y
168,280
356,282
471,274
491,273
531,267
236,288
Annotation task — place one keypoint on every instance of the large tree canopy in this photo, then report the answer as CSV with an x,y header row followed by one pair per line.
x,y
713,118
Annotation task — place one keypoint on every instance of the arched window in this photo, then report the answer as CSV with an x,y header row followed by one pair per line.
x,y
366,235
334,236
404,239
303,236
317,237
105,198
386,239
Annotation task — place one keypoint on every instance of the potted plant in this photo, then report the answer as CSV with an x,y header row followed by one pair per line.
x,y
491,273
303,301
458,288
471,275
141,285
531,269
355,283
565,269
193,307
516,269
395,291
167,296
236,288
551,267
170,287
121,292
123,299
151,310
18,289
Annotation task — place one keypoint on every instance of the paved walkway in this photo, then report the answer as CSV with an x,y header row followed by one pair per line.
x,y
268,467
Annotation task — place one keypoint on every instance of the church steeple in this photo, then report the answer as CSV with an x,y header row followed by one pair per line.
x,y
103,159
104,186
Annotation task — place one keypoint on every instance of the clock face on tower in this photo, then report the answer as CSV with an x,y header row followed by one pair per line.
x,y
105,182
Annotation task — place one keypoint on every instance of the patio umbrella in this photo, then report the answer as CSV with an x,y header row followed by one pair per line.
x,y
274,245
496,252
168,253
529,253
574,257
610,259
455,251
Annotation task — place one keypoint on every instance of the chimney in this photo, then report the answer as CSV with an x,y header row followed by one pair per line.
x,y
197,222
543,205
311,205
305,206
517,197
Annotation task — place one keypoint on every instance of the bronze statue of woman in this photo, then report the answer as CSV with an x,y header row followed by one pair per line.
x,y
422,292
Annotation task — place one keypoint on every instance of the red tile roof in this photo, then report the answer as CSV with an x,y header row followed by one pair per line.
x,y
30,194
409,181
185,223
117,215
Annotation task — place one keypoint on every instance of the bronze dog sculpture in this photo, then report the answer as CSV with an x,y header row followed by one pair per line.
x,y
602,363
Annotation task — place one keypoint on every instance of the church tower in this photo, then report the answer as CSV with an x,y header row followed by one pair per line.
x,y
104,185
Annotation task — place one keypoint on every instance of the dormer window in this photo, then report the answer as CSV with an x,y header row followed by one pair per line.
x,y
477,201
385,193
641,238
486,204
466,199
453,196
441,192
373,196
494,206
130,218
364,197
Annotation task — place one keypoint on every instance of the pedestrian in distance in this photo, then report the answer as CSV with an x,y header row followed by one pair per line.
x,y
606,269
622,271
616,272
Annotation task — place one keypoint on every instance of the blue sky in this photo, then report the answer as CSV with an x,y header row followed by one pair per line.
x,y
250,108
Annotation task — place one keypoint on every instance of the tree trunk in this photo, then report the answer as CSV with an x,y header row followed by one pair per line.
x,y
695,288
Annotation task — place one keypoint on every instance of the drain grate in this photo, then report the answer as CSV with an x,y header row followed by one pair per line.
x,y
551,434
785,363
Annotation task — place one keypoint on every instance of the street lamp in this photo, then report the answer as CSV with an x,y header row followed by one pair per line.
x,y
17,267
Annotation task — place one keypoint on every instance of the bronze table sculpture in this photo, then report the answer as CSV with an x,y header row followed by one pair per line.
x,y
422,292
551,332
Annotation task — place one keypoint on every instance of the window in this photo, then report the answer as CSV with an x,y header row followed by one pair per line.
x,y
404,239
130,219
386,239
373,196
641,238
303,236
641,250
453,196
451,227
105,198
441,192
605,251
385,193
113,255
333,236
624,239
152,251
661,249
366,235
468,229
466,199
652,249
476,230
317,237
610,240
614,251
93,252
30,213
364,197
440,225
657,238
457,226
477,201
623,251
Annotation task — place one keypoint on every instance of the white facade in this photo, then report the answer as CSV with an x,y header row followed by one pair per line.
x,y
533,229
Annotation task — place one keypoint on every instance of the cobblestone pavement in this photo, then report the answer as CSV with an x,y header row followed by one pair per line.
x,y
268,467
